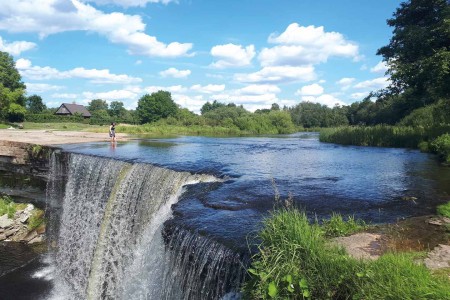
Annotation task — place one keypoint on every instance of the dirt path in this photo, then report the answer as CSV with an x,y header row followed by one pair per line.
x,y
49,137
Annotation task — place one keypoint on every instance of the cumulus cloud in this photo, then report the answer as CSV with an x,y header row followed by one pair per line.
x,y
258,89
26,69
64,96
172,89
110,95
310,90
325,99
373,84
17,47
175,73
55,16
300,45
231,55
129,3
42,87
359,96
381,67
278,74
208,89
345,83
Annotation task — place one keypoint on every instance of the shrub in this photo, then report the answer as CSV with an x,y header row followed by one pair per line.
x,y
444,210
441,146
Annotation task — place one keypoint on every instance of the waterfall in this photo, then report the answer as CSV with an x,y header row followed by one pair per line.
x,y
110,242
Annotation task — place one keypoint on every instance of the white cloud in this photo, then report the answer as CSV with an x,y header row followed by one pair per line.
x,y
138,62
129,3
55,16
110,95
381,67
26,69
299,45
258,89
208,89
278,74
42,87
310,90
231,55
17,47
175,73
345,82
373,84
172,89
359,96
65,96
325,99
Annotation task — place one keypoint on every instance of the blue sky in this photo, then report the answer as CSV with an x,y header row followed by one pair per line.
x,y
250,52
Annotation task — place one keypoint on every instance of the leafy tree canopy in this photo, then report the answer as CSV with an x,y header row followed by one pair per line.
x,y
116,109
156,106
35,105
418,54
97,104
9,76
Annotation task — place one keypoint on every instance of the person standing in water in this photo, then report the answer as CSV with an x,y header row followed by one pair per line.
x,y
112,132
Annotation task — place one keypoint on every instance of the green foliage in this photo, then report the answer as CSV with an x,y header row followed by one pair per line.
x,y
441,146
207,107
382,135
337,226
307,115
10,107
7,206
9,76
156,106
96,105
35,105
444,210
36,219
418,53
117,110
296,261
16,112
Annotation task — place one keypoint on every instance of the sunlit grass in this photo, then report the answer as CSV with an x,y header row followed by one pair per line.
x,y
64,126
297,261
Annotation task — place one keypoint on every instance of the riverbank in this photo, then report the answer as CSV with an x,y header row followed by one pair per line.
x,y
50,137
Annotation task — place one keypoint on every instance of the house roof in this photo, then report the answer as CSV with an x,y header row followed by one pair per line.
x,y
76,108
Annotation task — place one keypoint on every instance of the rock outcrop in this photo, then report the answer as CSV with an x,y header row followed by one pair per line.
x,y
18,229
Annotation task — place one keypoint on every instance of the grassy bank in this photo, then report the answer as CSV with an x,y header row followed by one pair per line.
x,y
8,207
296,261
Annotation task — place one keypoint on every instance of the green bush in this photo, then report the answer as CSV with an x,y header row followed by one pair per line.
x,y
337,226
441,146
444,210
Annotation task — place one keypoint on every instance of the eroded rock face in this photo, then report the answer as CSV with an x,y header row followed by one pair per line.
x,y
16,229
361,245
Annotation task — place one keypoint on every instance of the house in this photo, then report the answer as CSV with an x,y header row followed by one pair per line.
x,y
68,109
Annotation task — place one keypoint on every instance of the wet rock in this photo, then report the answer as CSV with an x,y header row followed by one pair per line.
x,y
41,229
409,198
6,222
438,258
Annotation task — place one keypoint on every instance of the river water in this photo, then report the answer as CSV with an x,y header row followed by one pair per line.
x,y
370,183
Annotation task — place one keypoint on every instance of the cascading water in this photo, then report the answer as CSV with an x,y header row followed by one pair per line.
x,y
110,242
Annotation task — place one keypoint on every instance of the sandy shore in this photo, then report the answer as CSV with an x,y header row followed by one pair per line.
x,y
49,137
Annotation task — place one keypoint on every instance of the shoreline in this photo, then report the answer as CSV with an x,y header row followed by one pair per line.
x,y
54,137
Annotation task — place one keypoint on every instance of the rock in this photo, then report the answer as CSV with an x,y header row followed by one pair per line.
x,y
2,236
11,231
29,208
409,198
361,245
30,236
438,258
439,221
37,239
24,217
41,229
20,234
5,222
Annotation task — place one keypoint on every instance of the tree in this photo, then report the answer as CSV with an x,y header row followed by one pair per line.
x,y
212,106
9,76
156,106
97,104
35,105
418,55
275,107
116,109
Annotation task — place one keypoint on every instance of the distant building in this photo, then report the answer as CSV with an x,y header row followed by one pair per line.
x,y
67,109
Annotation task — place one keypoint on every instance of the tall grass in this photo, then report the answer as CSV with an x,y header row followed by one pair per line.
x,y
296,261
382,135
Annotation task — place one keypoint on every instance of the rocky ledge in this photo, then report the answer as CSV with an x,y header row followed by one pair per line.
x,y
26,225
